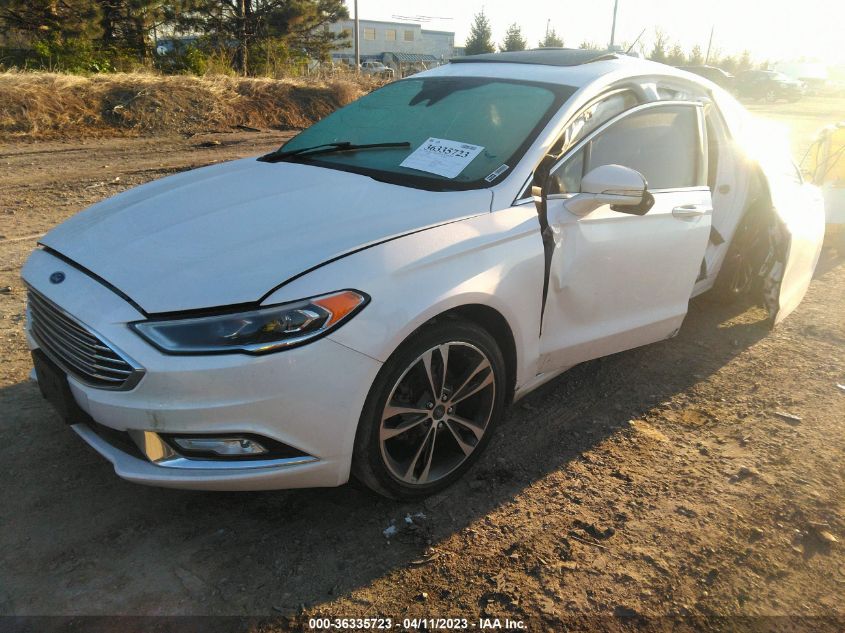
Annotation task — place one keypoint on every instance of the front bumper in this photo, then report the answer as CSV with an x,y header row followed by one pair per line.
x,y
309,398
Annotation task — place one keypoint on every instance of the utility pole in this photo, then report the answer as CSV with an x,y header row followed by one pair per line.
x,y
357,40
547,28
709,44
613,28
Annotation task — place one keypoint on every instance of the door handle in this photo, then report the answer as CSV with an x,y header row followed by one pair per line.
x,y
689,211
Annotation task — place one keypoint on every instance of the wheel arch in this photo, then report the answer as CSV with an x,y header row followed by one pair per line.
x,y
494,322
467,318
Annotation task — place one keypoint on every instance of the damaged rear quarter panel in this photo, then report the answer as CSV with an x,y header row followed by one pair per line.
x,y
798,207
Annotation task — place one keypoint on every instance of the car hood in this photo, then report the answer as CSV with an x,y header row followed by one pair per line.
x,y
229,233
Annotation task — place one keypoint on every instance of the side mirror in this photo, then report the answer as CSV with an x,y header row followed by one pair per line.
x,y
623,188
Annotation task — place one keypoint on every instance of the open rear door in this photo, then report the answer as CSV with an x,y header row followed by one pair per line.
x,y
797,239
798,229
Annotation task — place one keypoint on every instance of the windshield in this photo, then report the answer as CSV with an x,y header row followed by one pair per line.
x,y
501,117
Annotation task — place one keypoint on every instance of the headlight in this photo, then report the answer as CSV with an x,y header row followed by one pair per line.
x,y
255,332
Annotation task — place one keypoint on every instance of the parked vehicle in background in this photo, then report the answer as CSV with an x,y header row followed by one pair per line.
x,y
769,85
377,69
369,297
718,76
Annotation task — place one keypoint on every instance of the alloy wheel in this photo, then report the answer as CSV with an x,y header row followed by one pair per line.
x,y
742,277
744,258
437,413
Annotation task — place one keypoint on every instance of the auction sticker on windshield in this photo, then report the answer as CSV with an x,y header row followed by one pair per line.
x,y
442,157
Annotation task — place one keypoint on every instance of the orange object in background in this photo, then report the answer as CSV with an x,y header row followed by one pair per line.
x,y
828,156
827,166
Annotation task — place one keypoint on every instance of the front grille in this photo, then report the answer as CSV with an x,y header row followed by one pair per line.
x,y
77,349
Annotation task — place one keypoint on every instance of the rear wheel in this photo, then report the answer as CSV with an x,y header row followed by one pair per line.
x,y
431,411
739,275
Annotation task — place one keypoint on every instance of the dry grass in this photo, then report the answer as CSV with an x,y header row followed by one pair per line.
x,y
50,105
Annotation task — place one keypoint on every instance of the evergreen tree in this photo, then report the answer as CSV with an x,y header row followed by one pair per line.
x,y
48,21
676,56
296,24
126,24
513,39
589,46
728,63
551,40
745,62
658,49
696,57
480,38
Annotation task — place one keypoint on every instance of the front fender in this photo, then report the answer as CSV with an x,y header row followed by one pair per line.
x,y
494,259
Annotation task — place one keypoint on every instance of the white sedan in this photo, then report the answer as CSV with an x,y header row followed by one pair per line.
x,y
367,299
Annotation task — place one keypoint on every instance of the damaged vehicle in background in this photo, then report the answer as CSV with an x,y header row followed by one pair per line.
x,y
367,299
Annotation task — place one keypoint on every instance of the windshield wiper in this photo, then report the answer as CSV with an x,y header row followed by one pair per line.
x,y
325,148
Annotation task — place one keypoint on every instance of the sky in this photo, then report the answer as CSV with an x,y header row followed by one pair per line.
x,y
775,30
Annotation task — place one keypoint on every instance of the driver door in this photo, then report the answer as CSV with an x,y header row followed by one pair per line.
x,y
618,280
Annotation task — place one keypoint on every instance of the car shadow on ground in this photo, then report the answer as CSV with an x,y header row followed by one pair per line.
x,y
77,540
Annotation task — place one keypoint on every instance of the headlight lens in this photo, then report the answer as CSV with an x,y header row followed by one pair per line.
x,y
257,331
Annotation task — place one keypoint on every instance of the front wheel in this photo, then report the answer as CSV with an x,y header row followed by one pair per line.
x,y
430,411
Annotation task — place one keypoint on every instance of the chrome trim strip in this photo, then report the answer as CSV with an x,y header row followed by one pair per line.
x,y
77,348
59,325
90,359
160,453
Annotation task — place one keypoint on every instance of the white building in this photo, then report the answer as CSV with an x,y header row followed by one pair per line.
x,y
400,45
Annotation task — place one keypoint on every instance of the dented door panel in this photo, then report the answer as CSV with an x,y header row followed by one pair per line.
x,y
620,281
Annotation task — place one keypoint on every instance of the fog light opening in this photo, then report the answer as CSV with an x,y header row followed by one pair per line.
x,y
222,446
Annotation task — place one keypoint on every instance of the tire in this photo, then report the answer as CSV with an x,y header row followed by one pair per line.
x,y
737,278
431,449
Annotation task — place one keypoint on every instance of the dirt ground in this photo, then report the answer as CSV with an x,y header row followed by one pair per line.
x,y
701,477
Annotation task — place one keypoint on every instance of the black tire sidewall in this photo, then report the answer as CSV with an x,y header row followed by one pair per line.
x,y
367,462
723,290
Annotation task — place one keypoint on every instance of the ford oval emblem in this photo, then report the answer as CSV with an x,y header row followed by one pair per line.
x,y
57,277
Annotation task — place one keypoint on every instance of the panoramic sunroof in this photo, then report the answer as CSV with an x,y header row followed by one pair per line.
x,y
542,56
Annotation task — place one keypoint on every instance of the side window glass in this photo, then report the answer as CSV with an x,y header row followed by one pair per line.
x,y
597,115
567,177
661,143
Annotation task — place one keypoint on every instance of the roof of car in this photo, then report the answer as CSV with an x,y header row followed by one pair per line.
x,y
565,66
541,56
